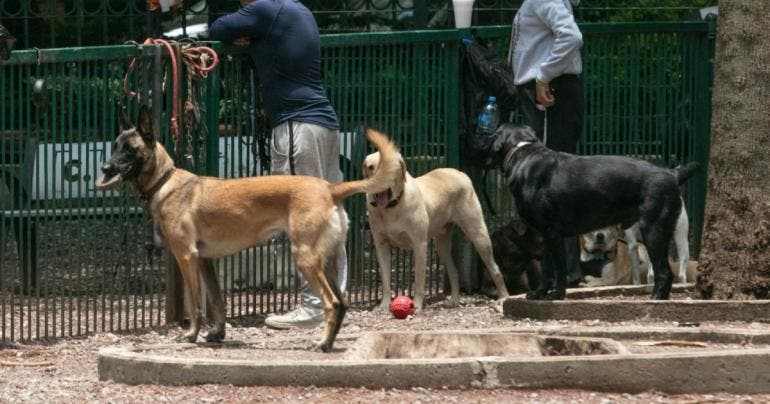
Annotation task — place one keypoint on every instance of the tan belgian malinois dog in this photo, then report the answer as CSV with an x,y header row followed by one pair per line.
x,y
202,218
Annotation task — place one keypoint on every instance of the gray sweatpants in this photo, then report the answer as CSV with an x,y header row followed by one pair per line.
x,y
316,153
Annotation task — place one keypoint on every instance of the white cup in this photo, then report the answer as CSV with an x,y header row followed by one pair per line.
x,y
463,11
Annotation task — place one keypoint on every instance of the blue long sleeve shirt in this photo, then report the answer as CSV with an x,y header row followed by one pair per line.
x,y
286,49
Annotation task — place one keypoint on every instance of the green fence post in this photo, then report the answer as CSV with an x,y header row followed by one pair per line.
x,y
212,117
702,148
421,14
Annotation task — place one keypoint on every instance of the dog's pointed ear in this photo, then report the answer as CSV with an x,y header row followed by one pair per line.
x,y
403,168
146,126
500,141
496,150
123,121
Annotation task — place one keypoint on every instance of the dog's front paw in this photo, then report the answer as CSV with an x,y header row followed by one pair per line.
x,y
661,292
556,294
537,294
215,336
385,305
322,346
187,337
658,295
497,305
452,302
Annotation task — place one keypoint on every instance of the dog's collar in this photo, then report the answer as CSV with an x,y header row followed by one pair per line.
x,y
148,194
510,153
602,256
392,202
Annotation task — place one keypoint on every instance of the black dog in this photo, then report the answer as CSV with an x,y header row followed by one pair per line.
x,y
518,250
561,195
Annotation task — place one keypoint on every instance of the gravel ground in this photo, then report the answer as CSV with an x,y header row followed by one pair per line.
x,y
66,371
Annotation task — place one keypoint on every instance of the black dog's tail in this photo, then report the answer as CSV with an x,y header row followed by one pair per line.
x,y
683,173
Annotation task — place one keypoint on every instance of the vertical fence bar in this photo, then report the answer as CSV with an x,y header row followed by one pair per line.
x,y
5,224
705,46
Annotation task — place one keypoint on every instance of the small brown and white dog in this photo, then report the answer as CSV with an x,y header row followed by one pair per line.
x,y
608,247
412,211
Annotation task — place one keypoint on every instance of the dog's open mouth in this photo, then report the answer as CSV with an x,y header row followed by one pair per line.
x,y
597,248
382,199
105,182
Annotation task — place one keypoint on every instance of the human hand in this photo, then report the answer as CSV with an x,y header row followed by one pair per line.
x,y
544,96
242,41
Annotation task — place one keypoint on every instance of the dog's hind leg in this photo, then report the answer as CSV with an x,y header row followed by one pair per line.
x,y
312,265
629,235
216,304
681,240
338,306
444,250
477,233
420,262
657,234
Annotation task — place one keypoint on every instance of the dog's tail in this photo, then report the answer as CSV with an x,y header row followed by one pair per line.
x,y
388,171
683,173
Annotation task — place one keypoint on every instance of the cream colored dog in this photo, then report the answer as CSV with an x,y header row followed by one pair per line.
x,y
413,211
608,245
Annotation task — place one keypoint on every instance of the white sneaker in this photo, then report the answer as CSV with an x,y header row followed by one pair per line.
x,y
301,317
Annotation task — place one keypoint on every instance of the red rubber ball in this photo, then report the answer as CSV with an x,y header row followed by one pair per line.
x,y
401,307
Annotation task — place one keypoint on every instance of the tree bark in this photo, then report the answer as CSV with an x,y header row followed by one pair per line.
x,y
735,255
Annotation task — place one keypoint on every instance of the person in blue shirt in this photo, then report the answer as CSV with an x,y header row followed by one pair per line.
x,y
285,46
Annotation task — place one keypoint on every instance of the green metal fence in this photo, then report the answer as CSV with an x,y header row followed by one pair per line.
x,y
75,262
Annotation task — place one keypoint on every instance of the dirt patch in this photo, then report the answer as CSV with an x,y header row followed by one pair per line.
x,y
66,371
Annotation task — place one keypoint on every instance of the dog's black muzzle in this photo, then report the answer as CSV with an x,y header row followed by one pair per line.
x,y
109,169
115,173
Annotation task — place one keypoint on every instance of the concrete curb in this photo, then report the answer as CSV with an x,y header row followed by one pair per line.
x,y
618,290
733,371
657,333
134,367
624,310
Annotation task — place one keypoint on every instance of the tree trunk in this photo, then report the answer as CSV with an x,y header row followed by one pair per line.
x,y
735,255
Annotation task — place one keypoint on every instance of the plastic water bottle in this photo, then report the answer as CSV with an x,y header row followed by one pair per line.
x,y
489,117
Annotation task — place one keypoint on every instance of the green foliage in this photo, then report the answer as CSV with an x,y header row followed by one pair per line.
x,y
640,10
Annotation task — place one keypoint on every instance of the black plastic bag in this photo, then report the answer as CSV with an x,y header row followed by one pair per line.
x,y
481,75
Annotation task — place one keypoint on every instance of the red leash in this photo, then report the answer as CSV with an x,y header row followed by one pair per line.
x,y
196,56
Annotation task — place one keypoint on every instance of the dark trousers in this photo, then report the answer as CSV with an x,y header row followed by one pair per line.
x,y
565,116
565,123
